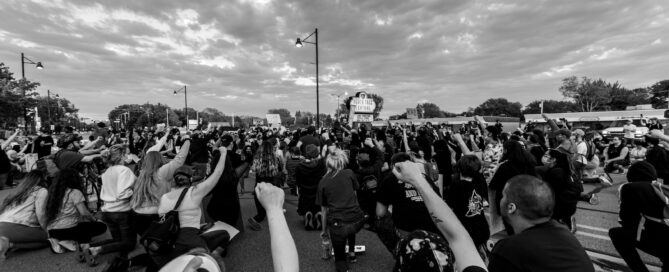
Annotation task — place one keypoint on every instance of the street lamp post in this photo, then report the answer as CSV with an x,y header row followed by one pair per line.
x,y
39,66
339,106
298,44
48,105
185,103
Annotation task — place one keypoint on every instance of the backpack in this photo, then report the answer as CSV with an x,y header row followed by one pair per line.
x,y
431,171
161,235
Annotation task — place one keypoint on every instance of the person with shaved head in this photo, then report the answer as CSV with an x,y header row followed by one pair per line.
x,y
539,243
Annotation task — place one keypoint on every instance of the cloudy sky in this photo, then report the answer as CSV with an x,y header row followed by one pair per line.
x,y
239,56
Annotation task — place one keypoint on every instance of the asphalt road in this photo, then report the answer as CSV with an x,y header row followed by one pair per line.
x,y
250,250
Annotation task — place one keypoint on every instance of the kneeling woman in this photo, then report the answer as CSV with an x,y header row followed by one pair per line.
x,y
70,224
22,216
566,190
339,205
190,213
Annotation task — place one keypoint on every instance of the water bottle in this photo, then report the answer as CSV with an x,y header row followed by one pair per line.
x,y
326,247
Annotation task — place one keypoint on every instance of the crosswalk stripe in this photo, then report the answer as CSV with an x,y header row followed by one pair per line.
x,y
593,235
593,228
617,260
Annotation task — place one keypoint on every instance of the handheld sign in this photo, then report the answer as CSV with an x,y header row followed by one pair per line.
x,y
273,119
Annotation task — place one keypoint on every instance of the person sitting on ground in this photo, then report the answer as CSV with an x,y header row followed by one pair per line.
x,y
307,176
69,223
339,205
116,191
22,216
643,218
190,213
539,243
638,152
616,156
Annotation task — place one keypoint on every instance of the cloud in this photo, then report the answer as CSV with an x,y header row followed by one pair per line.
x,y
456,54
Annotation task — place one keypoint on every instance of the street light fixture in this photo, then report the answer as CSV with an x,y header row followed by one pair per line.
x,y
39,66
185,104
298,44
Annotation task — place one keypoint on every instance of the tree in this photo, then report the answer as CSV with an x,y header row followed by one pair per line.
x,y
13,102
659,92
429,110
56,111
345,107
498,106
551,106
589,94
621,98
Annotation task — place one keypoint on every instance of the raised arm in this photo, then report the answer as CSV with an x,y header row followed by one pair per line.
x,y
202,189
284,252
551,122
167,171
9,140
159,145
446,221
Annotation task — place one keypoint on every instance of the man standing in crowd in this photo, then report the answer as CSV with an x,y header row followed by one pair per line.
x,y
629,129
43,143
540,243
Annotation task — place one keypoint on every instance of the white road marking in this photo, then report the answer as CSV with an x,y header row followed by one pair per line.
x,y
617,260
593,235
592,228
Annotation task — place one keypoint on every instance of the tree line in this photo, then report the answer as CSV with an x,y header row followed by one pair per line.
x,y
581,95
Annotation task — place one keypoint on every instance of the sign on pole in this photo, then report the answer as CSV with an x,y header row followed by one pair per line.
x,y
362,109
273,119
192,124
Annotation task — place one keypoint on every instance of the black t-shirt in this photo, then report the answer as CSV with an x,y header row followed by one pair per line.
x,y
337,193
545,247
43,146
409,210
466,200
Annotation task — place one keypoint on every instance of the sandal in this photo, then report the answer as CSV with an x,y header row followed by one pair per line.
x,y
55,246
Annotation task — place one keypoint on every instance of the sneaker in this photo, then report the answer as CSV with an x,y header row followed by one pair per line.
x,y
253,224
308,221
69,245
55,246
594,199
605,181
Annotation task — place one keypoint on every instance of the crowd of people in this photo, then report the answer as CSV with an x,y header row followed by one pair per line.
x,y
422,189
